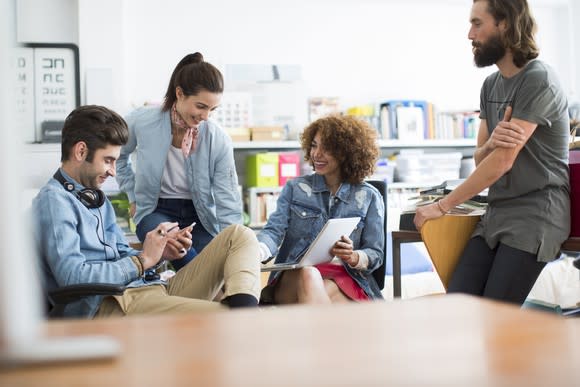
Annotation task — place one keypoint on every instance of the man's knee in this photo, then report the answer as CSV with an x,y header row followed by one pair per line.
x,y
238,231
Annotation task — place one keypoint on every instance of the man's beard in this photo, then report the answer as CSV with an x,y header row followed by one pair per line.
x,y
488,53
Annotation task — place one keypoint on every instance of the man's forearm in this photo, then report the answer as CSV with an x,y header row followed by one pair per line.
x,y
481,153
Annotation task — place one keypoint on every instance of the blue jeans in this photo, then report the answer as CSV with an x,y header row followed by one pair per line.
x,y
183,212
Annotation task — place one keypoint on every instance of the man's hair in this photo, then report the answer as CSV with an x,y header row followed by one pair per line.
x,y
352,142
193,75
97,126
520,28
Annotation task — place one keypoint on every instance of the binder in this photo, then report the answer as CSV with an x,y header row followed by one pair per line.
x,y
392,106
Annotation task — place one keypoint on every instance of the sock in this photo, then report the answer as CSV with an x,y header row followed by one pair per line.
x,y
240,300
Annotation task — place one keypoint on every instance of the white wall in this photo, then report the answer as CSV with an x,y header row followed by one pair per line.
x,y
574,25
47,21
360,50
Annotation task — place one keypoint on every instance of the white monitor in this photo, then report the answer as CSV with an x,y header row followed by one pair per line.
x,y
21,339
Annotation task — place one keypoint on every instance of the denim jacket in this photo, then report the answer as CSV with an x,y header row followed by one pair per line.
x,y
303,209
78,245
211,170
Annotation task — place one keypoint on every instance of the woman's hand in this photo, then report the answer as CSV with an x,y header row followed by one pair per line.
x,y
132,209
344,250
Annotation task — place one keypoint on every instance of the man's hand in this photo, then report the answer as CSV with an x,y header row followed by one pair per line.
x,y
154,244
178,244
424,213
506,134
132,209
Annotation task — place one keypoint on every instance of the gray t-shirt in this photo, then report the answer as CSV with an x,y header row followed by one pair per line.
x,y
529,206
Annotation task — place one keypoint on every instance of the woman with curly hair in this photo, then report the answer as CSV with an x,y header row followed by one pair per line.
x,y
342,151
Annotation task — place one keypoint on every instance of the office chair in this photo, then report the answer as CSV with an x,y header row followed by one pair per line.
x,y
59,298
380,272
445,239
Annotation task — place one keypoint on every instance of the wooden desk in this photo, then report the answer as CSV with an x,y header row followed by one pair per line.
x,y
572,244
452,340
399,237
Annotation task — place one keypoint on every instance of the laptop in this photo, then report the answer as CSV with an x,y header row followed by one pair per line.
x,y
319,250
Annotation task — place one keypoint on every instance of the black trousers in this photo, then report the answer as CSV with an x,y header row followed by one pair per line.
x,y
503,273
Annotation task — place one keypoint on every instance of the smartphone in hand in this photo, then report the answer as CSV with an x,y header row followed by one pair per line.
x,y
188,228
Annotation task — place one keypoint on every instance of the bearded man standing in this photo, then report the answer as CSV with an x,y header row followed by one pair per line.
x,y
521,156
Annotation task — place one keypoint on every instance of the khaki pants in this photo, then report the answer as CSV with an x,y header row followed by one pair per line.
x,y
230,260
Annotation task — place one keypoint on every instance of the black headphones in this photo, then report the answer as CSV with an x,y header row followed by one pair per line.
x,y
91,198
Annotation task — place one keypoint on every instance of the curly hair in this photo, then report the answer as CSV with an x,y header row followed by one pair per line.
x,y
520,31
352,142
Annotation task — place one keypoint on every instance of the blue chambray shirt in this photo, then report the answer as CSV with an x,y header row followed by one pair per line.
x,y
210,169
303,209
78,245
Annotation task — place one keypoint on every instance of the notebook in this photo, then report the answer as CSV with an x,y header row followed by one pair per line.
x,y
319,250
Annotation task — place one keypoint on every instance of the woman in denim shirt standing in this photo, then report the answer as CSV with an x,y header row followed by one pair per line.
x,y
342,151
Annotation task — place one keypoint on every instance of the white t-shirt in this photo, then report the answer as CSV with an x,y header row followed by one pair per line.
x,y
174,182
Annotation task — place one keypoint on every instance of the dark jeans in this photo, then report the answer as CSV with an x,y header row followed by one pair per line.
x,y
183,212
503,273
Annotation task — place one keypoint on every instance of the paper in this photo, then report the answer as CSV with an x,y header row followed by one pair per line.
x,y
319,250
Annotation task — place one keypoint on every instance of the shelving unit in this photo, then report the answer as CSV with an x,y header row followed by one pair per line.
x,y
384,144
44,159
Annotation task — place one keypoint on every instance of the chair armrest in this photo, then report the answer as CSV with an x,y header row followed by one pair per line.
x,y
67,294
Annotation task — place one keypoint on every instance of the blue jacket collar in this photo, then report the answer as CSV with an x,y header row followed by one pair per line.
x,y
319,185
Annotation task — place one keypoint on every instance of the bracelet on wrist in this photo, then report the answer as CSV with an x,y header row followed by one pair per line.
x,y
137,261
440,206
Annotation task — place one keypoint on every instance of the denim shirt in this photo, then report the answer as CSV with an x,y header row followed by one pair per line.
x,y
303,209
210,169
78,245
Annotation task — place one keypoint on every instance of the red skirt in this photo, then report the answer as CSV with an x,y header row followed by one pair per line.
x,y
343,280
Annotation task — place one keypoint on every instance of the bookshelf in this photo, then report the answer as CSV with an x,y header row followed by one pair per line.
x,y
383,144
43,159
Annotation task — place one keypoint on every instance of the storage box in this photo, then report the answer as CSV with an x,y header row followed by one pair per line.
x,y
268,133
434,167
288,166
385,170
239,134
262,170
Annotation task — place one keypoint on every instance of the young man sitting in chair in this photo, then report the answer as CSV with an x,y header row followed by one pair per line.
x,y
79,241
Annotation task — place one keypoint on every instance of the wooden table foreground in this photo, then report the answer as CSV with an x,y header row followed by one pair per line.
x,y
450,340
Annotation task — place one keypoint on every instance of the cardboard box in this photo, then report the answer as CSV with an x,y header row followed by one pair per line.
x,y
288,166
239,134
268,133
262,170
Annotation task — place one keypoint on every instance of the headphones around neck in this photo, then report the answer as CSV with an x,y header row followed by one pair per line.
x,y
91,198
